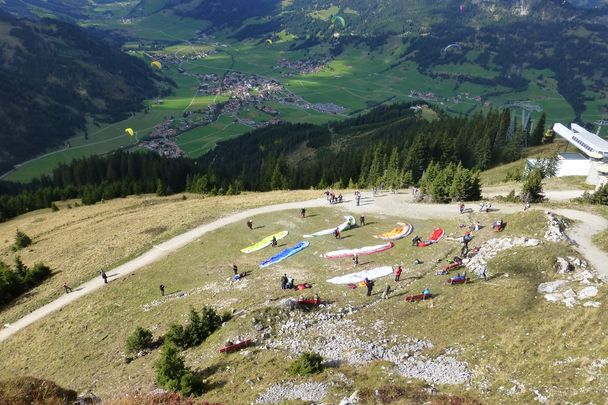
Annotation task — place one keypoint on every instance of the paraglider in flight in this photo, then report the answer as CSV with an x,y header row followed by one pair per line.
x,y
130,131
269,42
337,19
156,64
450,46
461,8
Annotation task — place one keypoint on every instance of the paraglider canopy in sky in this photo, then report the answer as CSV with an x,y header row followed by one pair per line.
x,y
130,131
452,46
156,64
336,19
269,42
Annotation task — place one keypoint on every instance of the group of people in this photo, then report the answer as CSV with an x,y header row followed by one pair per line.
x,y
286,282
333,198
485,206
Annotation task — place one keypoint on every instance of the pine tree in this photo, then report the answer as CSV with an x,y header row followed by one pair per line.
x,y
536,137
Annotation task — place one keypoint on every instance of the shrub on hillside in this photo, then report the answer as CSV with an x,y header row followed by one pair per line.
x,y
198,329
16,281
21,241
532,189
31,390
600,197
308,363
172,373
140,339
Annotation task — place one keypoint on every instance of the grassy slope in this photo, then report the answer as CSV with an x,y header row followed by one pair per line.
x,y
502,328
77,243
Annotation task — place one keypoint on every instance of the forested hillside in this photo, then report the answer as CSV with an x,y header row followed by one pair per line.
x,y
391,144
52,75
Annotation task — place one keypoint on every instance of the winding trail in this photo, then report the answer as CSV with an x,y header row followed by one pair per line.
x,y
386,204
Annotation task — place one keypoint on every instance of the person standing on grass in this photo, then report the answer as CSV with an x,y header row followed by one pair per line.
x,y
483,273
250,224
337,233
370,285
104,277
398,273
66,288
162,290
274,242
355,260
386,292
284,282
235,269
303,212
362,220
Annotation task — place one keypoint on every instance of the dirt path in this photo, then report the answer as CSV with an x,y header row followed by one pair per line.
x,y
385,204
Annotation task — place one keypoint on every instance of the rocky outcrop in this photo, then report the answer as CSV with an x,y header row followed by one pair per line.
x,y
555,228
288,391
340,340
580,285
491,248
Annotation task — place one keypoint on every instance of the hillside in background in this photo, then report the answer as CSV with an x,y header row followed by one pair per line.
x,y
52,75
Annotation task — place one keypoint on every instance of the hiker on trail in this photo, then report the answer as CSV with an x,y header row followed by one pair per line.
x,y
358,199
362,220
337,233
386,292
461,207
355,260
274,242
426,292
284,281
483,273
415,240
488,206
235,269
398,273
303,212
340,198
250,224
482,206
66,288
162,290
104,276
526,206
370,285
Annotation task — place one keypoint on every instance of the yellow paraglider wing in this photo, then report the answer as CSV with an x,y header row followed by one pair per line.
x,y
269,41
130,131
156,64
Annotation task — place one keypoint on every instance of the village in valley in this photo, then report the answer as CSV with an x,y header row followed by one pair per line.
x,y
244,91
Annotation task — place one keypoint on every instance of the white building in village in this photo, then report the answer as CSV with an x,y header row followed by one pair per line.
x,y
592,162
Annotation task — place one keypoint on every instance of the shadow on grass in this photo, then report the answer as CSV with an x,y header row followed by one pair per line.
x,y
260,226
311,215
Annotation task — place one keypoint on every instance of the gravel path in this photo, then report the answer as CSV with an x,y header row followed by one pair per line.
x,y
386,204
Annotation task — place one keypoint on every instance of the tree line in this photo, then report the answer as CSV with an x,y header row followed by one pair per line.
x,y
393,145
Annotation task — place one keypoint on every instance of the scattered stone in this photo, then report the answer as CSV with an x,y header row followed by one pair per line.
x,y
569,293
554,297
352,400
587,292
555,228
552,286
592,304
286,391
562,266
570,302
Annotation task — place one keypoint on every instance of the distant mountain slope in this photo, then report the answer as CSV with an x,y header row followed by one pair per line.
x,y
52,74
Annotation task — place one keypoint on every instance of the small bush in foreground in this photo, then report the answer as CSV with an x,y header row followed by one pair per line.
x,y
21,241
307,364
200,327
31,390
140,339
172,373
